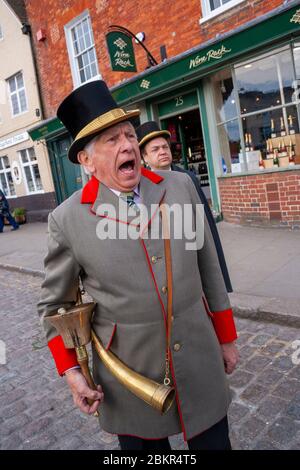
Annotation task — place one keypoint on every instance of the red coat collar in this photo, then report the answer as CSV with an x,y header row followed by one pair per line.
x,y
90,190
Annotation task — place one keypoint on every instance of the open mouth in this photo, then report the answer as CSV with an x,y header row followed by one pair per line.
x,y
127,167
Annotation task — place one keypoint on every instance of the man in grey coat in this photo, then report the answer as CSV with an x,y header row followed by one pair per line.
x,y
127,278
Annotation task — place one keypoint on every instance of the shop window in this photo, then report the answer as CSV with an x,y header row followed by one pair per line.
x,y
31,170
224,95
17,94
296,52
256,110
265,83
6,181
81,48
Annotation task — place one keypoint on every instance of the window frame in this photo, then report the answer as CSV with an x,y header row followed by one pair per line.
x,y
284,105
30,163
16,92
208,14
72,53
5,171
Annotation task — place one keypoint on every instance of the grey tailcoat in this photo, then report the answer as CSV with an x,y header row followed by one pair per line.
x,y
125,278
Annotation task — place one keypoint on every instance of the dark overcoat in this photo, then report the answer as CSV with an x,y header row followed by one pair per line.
x,y
212,225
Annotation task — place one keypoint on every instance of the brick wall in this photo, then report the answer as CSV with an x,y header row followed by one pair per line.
x,y
169,23
263,199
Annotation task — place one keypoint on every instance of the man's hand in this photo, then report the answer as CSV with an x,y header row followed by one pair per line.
x,y
230,356
81,391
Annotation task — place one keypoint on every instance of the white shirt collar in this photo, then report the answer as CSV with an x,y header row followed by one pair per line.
x,y
136,191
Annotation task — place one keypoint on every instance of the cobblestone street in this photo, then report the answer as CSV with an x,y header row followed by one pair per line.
x,y
37,412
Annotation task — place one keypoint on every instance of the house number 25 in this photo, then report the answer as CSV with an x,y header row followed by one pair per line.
x,y
179,101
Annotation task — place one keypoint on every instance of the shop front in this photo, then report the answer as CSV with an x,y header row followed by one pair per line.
x,y
232,107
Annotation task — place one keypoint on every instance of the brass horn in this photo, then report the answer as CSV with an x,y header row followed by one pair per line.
x,y
159,396
74,325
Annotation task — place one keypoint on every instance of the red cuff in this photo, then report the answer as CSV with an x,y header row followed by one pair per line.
x,y
64,358
224,326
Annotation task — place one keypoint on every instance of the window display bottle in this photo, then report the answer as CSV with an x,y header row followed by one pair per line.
x,y
282,128
273,133
275,159
279,150
261,164
250,142
283,149
291,154
247,148
270,151
291,126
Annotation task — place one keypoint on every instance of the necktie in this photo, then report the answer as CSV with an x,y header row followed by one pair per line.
x,y
129,198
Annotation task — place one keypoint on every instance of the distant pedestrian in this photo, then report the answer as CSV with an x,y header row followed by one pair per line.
x,y
5,213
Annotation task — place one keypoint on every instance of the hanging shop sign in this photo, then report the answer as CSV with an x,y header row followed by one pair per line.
x,y
121,52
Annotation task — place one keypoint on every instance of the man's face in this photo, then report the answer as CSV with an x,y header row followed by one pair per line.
x,y
157,154
115,159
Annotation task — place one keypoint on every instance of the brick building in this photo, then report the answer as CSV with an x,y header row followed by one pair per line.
x,y
226,87
25,174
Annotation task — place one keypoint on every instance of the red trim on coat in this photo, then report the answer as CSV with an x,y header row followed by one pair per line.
x,y
151,176
64,358
90,190
154,281
223,323
111,338
115,220
177,398
166,327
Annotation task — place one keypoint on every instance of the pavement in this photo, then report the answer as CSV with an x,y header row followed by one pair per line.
x,y
264,265
37,411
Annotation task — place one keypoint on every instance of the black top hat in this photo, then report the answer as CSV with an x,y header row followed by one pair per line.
x,y
148,131
88,110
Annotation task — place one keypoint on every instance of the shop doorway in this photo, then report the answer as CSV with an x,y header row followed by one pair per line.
x,y
187,145
66,176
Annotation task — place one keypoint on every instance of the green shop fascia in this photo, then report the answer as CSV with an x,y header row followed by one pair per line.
x,y
232,105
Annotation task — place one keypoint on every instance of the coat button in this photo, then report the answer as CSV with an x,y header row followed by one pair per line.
x,y
164,289
177,347
154,259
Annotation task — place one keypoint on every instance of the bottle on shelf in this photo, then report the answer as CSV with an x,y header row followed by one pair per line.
x,y
282,127
275,159
279,154
273,133
283,149
250,143
291,154
247,148
270,152
261,164
291,126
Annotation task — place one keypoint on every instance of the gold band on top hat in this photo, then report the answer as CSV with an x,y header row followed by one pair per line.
x,y
114,115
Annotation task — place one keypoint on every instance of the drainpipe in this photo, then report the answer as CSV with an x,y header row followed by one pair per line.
x,y
26,29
